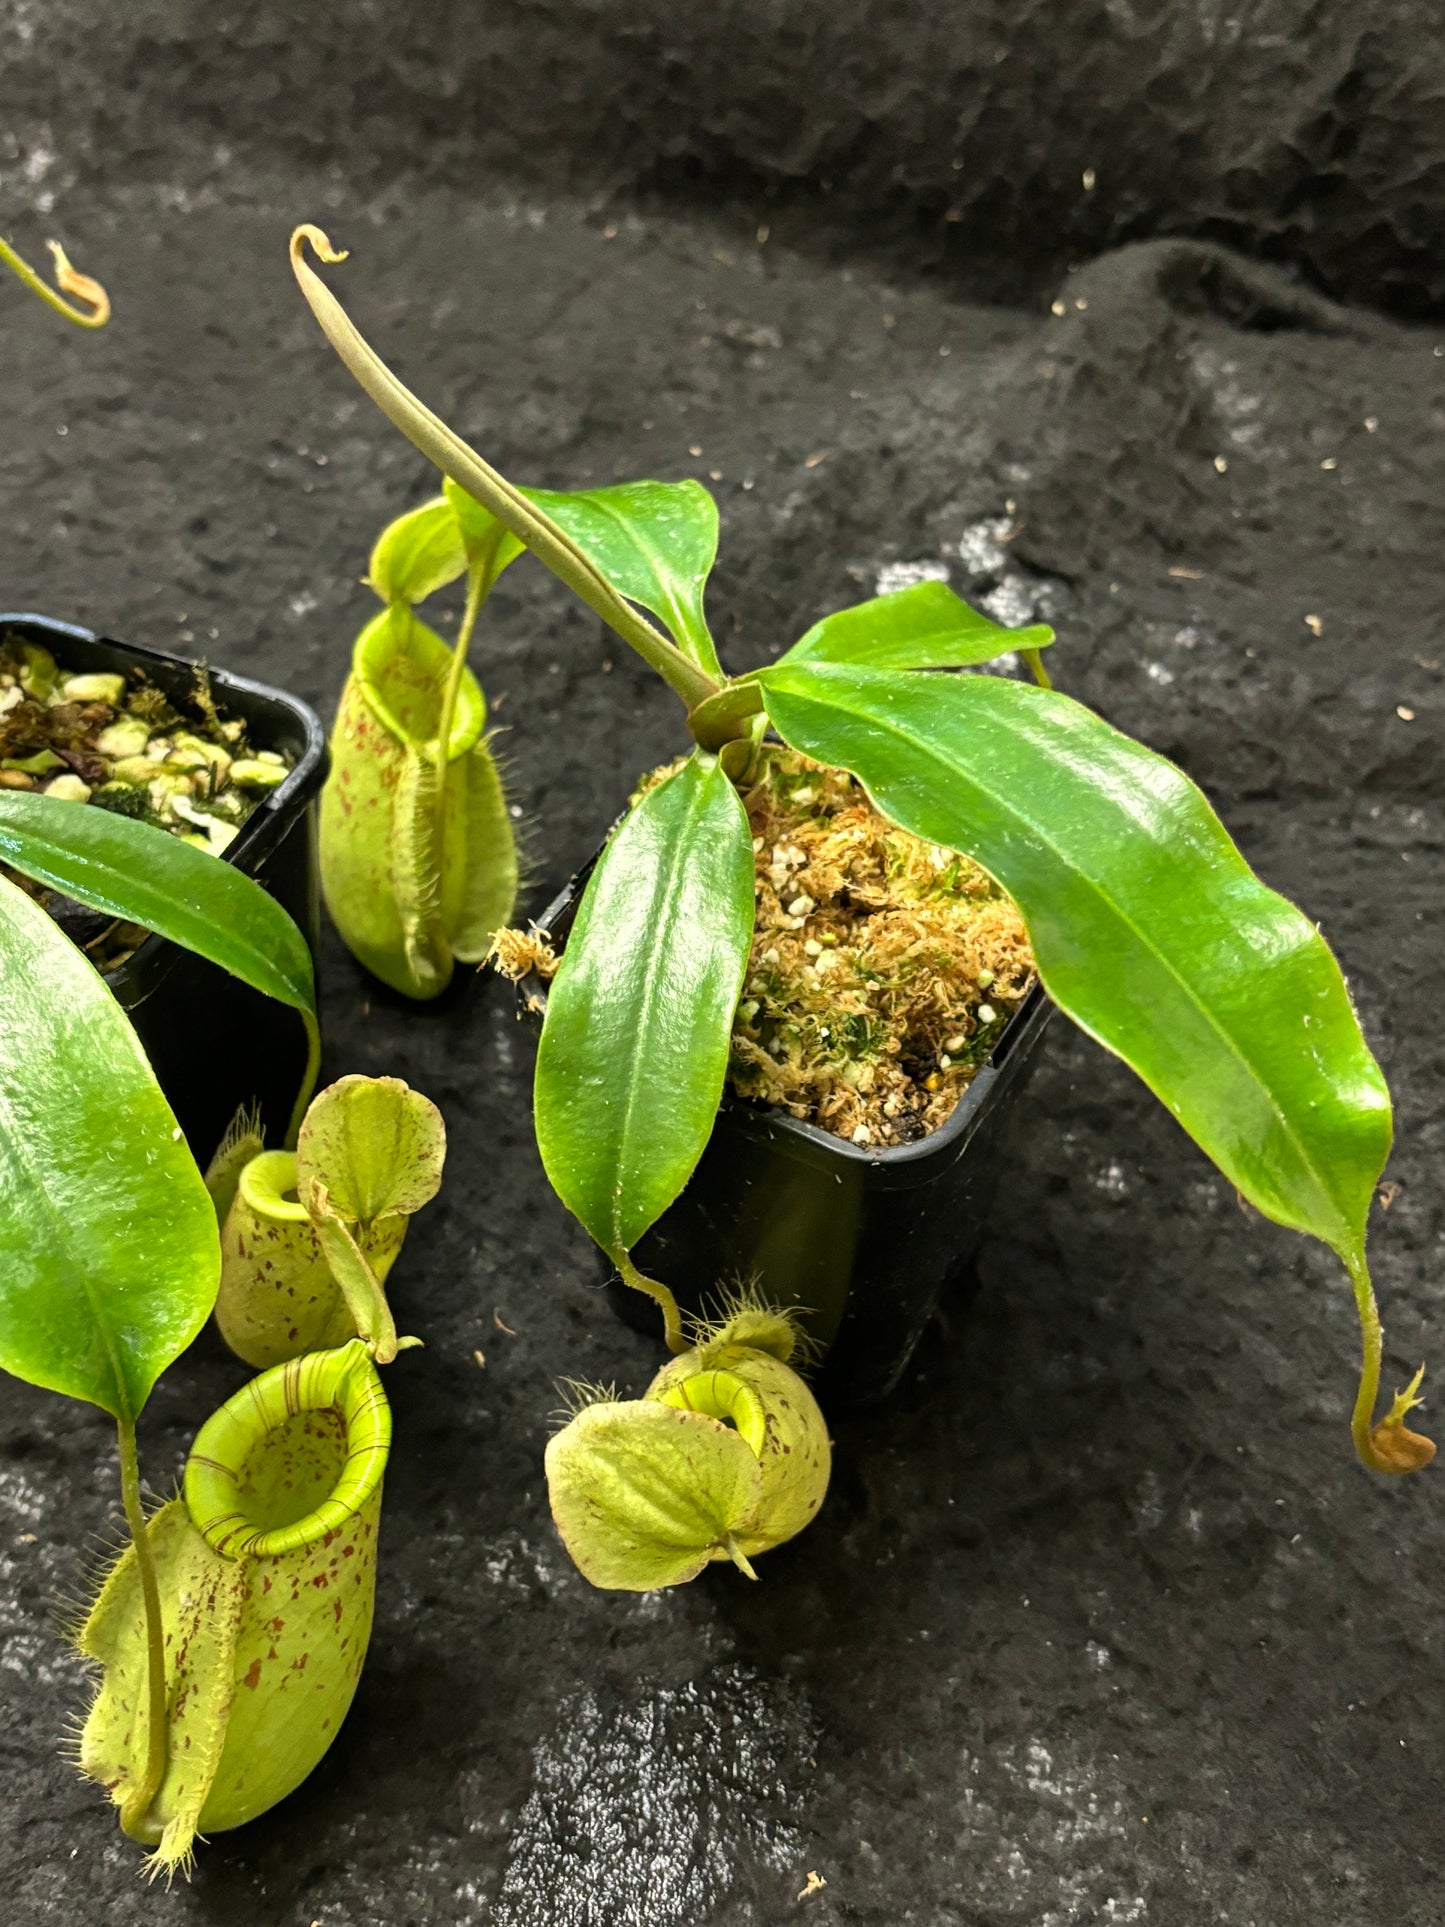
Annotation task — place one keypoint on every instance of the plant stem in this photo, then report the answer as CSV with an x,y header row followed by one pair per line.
x,y
68,281
476,593
308,1078
453,457
133,1813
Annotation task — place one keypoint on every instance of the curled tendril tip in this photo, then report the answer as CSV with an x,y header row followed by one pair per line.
x,y
81,287
320,241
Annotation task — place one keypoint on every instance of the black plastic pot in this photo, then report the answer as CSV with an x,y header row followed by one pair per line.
x,y
213,1042
867,1242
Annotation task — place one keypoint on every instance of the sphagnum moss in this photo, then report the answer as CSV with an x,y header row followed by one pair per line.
x,y
882,969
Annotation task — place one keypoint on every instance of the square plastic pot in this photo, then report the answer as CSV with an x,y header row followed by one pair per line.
x,y
868,1243
213,1042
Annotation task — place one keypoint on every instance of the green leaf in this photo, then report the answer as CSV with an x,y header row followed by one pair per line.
x,y
133,870
418,553
925,627
634,1046
1148,927
655,542
109,1252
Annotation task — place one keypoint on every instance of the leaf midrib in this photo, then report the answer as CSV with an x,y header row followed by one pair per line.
x,y
650,977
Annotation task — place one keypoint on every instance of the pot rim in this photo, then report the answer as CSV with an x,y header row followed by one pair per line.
x,y
135,979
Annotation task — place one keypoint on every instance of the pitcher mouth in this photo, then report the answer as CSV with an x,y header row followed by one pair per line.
x,y
344,1382
268,1186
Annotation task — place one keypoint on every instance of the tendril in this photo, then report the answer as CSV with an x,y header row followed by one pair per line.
x,y
96,309
1389,1446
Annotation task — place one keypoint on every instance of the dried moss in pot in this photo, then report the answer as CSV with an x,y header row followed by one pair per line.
x,y
122,745
882,971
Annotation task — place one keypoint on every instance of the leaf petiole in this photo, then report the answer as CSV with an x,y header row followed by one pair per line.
x,y
726,716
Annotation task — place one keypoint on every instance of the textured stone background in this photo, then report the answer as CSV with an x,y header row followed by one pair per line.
x,y
1102,1623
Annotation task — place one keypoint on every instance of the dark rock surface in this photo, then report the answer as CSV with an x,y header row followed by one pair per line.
x,y
1001,141
1102,1623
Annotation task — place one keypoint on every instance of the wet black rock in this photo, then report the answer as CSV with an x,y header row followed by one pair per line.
x,y
1001,143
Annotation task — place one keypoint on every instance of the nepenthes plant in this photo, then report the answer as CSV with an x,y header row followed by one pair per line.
x,y
1147,926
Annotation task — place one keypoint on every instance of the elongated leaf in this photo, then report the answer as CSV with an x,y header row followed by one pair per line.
x,y
1148,927
145,875
109,1252
418,553
925,627
655,542
635,1044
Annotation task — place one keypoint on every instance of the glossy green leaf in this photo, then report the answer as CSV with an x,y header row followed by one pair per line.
x,y
655,542
109,1252
1148,927
925,627
634,1047
418,553
135,871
